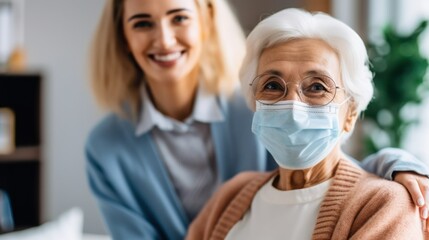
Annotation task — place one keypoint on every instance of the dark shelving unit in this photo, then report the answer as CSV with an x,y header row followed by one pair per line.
x,y
20,170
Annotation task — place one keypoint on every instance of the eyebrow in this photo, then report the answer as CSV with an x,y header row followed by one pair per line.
x,y
146,15
317,72
307,73
273,72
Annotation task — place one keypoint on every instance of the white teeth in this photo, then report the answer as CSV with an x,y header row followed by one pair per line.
x,y
168,57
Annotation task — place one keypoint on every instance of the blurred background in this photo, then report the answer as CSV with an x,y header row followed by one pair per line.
x,y
43,81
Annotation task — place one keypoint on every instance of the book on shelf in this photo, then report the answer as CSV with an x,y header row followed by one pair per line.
x,y
6,218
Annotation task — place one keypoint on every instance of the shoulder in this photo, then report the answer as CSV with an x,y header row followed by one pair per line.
x,y
109,132
244,180
235,105
369,187
382,209
238,117
385,191
374,196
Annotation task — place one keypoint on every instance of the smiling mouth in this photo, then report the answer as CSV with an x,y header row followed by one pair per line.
x,y
166,57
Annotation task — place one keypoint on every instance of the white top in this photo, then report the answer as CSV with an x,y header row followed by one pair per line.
x,y
186,148
276,214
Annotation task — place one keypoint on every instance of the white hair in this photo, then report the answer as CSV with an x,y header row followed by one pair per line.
x,y
292,24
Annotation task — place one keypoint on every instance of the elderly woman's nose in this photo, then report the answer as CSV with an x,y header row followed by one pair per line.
x,y
292,94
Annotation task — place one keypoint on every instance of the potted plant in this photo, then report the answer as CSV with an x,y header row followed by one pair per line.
x,y
400,86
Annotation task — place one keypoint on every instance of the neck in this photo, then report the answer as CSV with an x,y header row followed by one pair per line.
x,y
174,99
298,179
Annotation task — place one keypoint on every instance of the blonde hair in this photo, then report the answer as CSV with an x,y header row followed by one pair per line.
x,y
116,78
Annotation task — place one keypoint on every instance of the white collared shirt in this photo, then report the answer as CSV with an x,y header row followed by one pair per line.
x,y
186,148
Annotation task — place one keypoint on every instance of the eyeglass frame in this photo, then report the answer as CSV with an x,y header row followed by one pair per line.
x,y
266,102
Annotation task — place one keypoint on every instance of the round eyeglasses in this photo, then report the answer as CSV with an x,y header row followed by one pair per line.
x,y
315,90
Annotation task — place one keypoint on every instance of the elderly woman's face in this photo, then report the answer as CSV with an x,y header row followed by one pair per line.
x,y
298,59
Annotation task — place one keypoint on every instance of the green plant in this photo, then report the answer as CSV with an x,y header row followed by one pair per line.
x,y
399,83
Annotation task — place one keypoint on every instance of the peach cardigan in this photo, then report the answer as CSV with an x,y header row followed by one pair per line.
x,y
358,205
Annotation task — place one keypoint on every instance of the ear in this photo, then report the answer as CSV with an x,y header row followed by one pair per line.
x,y
351,117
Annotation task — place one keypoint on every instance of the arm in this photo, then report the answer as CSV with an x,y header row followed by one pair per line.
x,y
122,221
389,161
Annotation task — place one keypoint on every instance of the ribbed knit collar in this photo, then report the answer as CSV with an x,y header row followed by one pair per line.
x,y
345,179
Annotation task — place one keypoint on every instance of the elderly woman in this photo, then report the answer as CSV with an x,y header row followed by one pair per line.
x,y
308,79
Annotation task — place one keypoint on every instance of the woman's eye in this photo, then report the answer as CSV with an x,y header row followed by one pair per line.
x,y
317,87
143,24
180,19
273,85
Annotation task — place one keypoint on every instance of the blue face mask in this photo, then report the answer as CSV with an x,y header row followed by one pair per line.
x,y
297,135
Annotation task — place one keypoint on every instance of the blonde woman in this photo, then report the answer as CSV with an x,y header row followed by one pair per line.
x,y
167,71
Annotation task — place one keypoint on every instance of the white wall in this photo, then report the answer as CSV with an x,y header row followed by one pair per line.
x,y
346,11
57,35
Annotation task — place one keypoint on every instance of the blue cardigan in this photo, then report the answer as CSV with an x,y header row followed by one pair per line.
x,y
132,185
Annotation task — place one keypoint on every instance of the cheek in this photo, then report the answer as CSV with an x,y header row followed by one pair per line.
x,y
135,48
136,45
347,120
193,38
